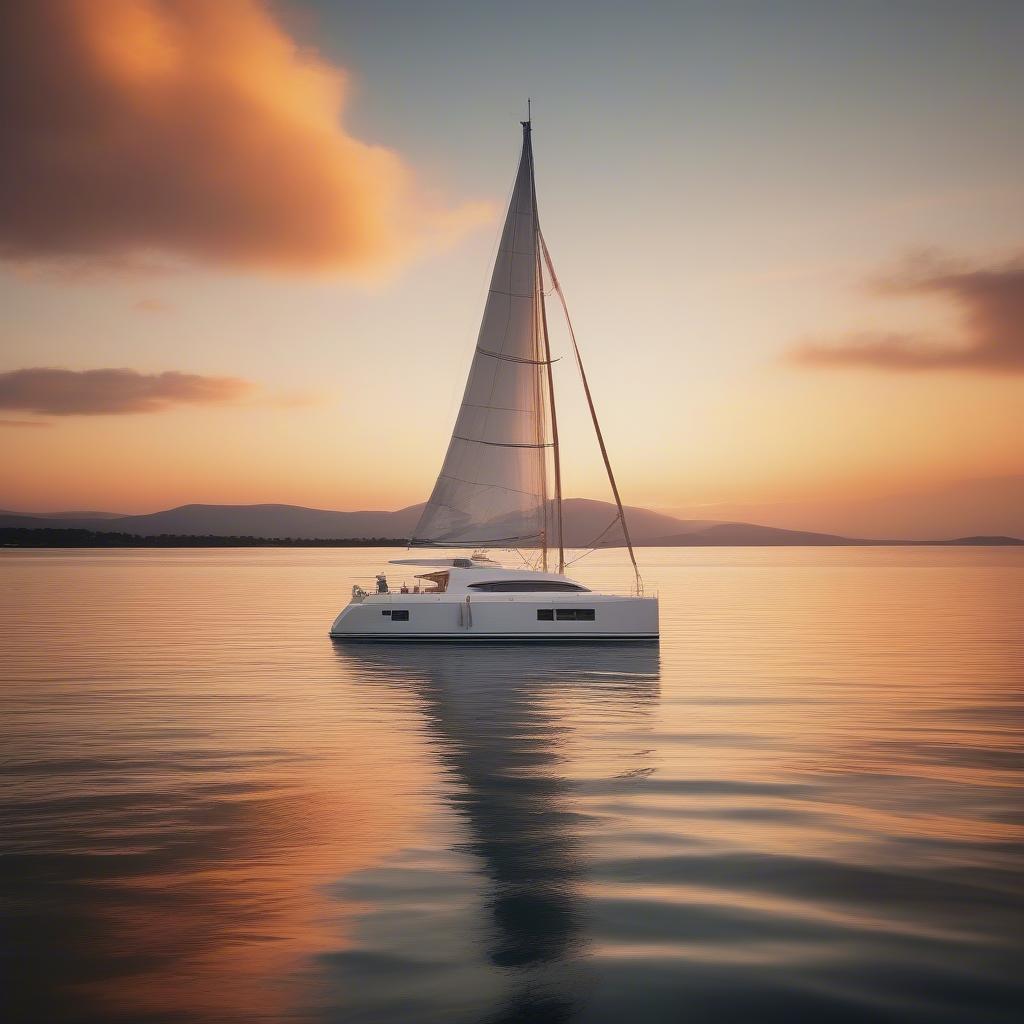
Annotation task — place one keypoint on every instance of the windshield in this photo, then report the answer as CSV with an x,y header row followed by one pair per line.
x,y
439,580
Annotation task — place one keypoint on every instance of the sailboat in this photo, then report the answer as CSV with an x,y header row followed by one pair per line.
x,y
500,486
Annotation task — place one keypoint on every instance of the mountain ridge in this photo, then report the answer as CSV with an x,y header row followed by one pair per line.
x,y
585,519
979,506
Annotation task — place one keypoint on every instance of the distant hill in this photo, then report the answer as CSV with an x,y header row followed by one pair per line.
x,y
59,537
585,521
991,506
747,534
980,541
61,515
238,520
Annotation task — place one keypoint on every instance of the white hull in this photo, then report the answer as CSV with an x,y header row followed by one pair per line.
x,y
498,618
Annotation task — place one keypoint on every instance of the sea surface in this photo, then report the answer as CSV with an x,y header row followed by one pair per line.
x,y
806,804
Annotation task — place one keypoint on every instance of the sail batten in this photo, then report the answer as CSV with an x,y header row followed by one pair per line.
x,y
493,484
515,359
505,444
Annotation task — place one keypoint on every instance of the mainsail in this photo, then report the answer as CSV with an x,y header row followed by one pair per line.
x,y
499,485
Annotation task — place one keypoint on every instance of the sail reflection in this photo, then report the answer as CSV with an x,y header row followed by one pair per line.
x,y
501,719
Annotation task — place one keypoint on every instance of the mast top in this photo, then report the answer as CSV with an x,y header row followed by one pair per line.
x,y
528,123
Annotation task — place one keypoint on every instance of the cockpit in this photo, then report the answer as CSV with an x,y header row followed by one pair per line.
x,y
439,581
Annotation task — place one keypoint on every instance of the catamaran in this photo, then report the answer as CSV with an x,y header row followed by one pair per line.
x,y
500,486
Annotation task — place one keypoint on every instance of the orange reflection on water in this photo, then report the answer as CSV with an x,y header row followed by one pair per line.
x,y
210,785
808,797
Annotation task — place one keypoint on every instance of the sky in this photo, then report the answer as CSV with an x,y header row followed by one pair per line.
x,y
244,247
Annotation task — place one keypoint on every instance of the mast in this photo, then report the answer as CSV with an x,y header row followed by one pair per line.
x,y
538,241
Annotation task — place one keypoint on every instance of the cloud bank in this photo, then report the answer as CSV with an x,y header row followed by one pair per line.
x,y
991,304
194,129
57,392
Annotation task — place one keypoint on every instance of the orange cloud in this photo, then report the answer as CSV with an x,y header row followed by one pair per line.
x,y
56,392
991,302
194,129
151,306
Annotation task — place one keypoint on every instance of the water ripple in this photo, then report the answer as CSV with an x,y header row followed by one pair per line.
x,y
805,805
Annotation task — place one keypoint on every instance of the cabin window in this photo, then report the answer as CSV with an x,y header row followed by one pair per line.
x,y
397,614
575,614
545,614
527,587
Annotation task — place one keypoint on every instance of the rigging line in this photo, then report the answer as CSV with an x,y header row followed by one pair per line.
x,y
444,505
592,546
526,562
579,558
487,487
593,412
461,512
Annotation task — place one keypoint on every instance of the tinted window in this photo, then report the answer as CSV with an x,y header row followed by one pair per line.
x,y
403,616
575,614
546,614
526,587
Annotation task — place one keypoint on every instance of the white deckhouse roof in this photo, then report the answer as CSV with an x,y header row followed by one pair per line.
x,y
463,572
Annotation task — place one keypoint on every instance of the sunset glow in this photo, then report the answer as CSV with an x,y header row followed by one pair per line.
x,y
244,248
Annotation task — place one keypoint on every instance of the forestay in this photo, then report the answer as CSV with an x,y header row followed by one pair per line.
x,y
497,475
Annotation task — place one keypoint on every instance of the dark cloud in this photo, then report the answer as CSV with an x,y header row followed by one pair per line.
x,y
196,128
56,392
991,306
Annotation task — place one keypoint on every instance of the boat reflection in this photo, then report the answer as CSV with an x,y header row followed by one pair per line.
x,y
501,720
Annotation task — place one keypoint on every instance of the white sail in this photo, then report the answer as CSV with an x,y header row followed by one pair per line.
x,y
494,486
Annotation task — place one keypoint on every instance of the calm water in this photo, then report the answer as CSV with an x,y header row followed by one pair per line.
x,y
806,804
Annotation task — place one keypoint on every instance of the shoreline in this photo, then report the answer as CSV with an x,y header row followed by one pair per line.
x,y
49,538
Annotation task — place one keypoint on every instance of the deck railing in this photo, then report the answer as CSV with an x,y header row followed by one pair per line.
x,y
366,586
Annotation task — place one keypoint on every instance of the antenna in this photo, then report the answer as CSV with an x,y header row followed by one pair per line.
x,y
529,115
